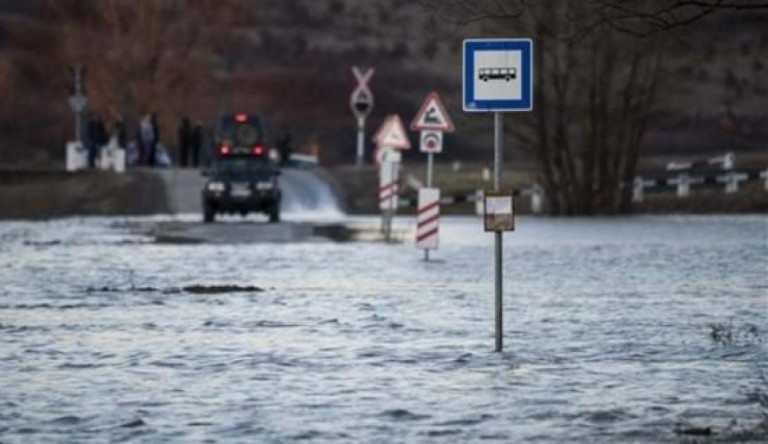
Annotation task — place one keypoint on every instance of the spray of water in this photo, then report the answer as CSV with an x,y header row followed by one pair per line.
x,y
308,196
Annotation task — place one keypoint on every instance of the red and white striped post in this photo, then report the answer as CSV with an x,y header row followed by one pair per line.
x,y
428,220
388,195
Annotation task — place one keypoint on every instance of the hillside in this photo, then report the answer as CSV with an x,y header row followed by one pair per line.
x,y
291,61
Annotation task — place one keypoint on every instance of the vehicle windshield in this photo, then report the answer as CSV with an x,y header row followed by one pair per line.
x,y
240,133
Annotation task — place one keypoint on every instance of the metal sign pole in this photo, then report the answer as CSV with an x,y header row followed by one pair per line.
x,y
430,164
77,113
392,209
484,90
497,147
429,169
360,140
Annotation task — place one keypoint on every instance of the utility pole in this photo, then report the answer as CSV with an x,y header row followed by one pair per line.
x,y
78,100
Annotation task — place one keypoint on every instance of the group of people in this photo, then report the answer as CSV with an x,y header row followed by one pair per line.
x,y
97,137
147,150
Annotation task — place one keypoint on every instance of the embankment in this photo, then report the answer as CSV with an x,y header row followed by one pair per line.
x,y
50,194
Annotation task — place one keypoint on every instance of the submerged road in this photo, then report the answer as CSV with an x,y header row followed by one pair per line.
x,y
620,330
249,232
305,191
309,202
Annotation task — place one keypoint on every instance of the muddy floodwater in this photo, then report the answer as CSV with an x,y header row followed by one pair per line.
x,y
647,329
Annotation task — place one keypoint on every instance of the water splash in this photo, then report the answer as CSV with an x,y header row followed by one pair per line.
x,y
308,195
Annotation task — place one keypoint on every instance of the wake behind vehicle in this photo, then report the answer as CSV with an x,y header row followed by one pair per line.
x,y
242,178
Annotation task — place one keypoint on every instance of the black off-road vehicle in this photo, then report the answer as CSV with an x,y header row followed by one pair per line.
x,y
242,178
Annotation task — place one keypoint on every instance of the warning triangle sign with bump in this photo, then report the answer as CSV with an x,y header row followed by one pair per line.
x,y
392,134
432,116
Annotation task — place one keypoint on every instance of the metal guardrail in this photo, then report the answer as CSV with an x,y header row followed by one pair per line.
x,y
688,176
681,176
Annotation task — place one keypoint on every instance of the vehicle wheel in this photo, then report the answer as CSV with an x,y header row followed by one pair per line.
x,y
209,214
274,215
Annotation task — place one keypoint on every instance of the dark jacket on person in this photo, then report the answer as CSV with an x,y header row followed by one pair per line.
x,y
196,144
185,139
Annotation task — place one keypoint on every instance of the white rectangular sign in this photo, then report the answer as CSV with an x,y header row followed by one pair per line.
x,y
431,141
499,211
498,75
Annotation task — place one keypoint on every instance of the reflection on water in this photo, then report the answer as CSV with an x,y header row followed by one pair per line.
x,y
609,335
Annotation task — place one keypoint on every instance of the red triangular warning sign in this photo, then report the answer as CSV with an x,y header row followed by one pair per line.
x,y
381,129
392,134
432,116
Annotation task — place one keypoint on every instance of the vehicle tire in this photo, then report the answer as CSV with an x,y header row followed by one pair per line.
x,y
209,214
274,215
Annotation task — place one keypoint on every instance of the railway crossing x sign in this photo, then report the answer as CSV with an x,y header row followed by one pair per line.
x,y
361,100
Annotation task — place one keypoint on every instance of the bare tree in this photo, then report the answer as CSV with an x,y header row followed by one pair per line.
x,y
141,56
640,18
598,67
593,98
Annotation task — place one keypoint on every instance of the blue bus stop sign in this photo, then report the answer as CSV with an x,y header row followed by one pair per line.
x,y
498,75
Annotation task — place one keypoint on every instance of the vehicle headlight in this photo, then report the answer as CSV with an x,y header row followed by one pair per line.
x,y
216,187
262,186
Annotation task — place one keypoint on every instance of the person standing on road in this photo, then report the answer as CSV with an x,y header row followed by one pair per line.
x,y
196,143
146,138
90,142
185,139
97,138
283,145
155,140
121,134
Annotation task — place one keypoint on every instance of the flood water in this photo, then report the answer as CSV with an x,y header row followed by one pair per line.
x,y
609,335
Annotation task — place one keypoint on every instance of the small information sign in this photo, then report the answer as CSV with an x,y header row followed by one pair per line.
x,y
499,211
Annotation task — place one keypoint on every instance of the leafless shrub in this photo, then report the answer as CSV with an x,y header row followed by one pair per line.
x,y
727,335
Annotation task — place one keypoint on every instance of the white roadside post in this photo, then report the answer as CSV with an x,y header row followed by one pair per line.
x,y
497,78
537,199
764,176
77,158
390,139
432,120
361,103
640,184
731,181
683,183
479,203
